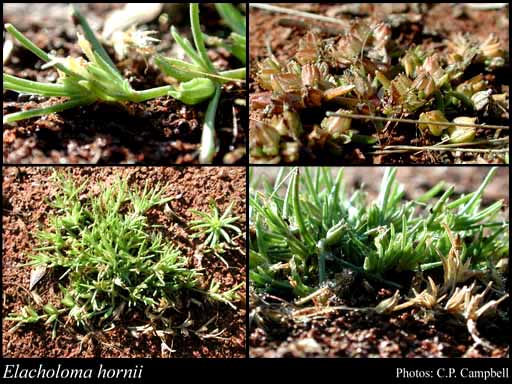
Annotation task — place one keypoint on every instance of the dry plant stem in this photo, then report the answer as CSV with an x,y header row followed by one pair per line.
x,y
440,145
406,148
273,8
473,331
284,22
412,121
309,313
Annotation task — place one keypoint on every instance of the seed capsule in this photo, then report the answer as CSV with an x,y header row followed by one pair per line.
x,y
290,151
194,91
471,86
424,84
382,79
294,67
348,48
481,99
293,122
312,97
461,134
337,126
338,91
409,63
264,140
436,116
288,124
284,83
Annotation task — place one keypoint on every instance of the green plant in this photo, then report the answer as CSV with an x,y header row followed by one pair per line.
x,y
214,225
84,82
202,66
236,43
87,81
227,297
306,228
460,302
109,257
436,90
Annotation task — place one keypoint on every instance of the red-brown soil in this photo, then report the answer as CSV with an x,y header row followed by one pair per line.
x,y
26,191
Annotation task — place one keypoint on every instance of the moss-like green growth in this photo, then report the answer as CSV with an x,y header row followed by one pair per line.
x,y
306,229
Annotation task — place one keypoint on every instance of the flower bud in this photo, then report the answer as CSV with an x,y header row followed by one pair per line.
x,y
194,91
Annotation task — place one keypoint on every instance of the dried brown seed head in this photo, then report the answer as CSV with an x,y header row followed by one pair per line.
x,y
459,299
308,51
284,83
455,269
428,298
491,47
268,67
310,75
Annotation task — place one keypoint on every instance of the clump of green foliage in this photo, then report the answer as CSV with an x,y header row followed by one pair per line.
x,y
201,68
109,257
305,228
214,225
216,229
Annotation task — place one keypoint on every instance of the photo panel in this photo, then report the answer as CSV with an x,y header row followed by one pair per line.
x,y
367,83
103,262
369,262
117,83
